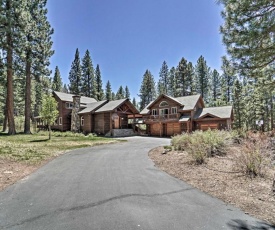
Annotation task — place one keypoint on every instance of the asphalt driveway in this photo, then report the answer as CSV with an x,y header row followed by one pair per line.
x,y
113,187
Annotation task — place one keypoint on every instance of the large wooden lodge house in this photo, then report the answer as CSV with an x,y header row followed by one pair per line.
x,y
168,116
84,114
165,116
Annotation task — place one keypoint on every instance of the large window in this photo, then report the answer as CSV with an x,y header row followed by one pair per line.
x,y
164,111
174,110
163,103
154,112
69,105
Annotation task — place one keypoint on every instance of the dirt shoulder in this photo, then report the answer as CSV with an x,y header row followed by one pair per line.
x,y
219,179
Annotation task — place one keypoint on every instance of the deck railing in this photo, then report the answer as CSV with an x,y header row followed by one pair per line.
x,y
165,117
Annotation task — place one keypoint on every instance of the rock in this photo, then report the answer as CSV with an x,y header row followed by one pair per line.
x,y
8,172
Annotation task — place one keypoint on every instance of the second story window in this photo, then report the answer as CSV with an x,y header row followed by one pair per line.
x,y
174,110
154,112
163,103
69,105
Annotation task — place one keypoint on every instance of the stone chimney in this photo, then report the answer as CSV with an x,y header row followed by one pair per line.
x,y
75,120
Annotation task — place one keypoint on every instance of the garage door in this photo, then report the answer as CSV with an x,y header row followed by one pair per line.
x,y
209,126
173,129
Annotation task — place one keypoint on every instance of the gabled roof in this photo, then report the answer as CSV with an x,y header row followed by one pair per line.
x,y
69,97
112,105
93,106
223,112
146,110
189,102
163,96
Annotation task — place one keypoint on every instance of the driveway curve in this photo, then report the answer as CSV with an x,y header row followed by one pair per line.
x,y
114,187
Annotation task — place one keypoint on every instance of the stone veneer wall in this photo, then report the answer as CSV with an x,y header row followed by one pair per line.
x,y
121,133
75,120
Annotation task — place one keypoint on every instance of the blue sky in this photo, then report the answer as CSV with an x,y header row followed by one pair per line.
x,y
126,37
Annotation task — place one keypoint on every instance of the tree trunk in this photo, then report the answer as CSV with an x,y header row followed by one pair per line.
x,y
50,134
9,105
5,122
27,126
271,114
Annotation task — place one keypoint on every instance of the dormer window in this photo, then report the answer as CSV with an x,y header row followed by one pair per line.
x,y
163,103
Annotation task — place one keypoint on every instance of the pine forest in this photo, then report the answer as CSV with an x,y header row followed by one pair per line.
x,y
246,78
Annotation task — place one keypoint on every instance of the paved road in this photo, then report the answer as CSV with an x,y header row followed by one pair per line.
x,y
113,187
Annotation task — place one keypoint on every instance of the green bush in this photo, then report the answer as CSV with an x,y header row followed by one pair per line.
x,y
201,145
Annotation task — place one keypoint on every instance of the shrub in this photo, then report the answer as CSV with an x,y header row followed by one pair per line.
x,y
253,158
201,145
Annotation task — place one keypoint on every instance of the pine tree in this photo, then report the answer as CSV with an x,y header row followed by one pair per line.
x,y
163,82
38,98
10,39
37,48
99,90
182,79
191,78
65,89
215,88
75,75
134,102
238,105
147,90
113,96
57,81
88,76
228,77
172,82
127,92
202,75
248,33
120,93
108,91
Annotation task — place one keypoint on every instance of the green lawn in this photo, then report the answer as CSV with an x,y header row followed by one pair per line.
x,y
36,147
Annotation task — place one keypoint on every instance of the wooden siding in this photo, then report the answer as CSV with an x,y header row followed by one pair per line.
x,y
212,124
87,124
173,129
102,123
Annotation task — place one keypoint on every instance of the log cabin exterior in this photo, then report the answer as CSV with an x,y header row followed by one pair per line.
x,y
84,114
168,116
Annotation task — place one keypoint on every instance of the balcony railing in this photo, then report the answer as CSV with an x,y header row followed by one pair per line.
x,y
158,118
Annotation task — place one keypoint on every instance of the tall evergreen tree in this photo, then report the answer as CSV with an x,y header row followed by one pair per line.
x,y
147,90
10,41
99,90
37,48
134,102
172,82
75,75
215,88
163,82
120,93
191,78
88,76
202,75
113,96
182,78
57,81
127,92
108,91
228,78
65,89
238,105
248,33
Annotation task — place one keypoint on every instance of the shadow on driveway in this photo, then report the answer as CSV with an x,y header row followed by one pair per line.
x,y
242,225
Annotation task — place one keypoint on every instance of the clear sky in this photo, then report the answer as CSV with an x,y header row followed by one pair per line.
x,y
126,37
